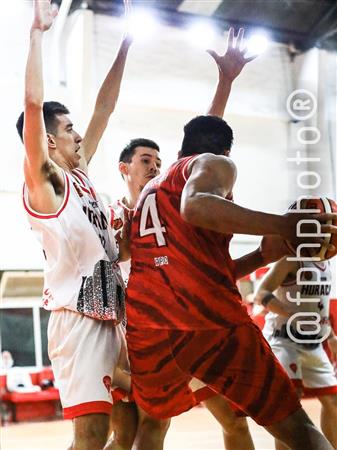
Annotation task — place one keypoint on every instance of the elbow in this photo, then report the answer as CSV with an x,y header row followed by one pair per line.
x,y
189,212
33,103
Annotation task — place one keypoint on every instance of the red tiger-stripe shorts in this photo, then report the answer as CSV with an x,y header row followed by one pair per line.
x,y
236,362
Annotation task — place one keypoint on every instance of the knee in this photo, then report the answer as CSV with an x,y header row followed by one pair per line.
x,y
155,425
91,434
123,437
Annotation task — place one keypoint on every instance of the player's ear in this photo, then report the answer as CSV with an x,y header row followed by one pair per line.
x,y
51,141
123,168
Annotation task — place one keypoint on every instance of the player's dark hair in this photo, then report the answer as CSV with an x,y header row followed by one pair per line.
x,y
206,134
50,112
128,152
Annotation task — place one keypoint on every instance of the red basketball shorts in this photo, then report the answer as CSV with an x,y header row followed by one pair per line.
x,y
236,362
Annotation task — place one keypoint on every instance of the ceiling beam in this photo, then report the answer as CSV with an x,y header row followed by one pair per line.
x,y
204,7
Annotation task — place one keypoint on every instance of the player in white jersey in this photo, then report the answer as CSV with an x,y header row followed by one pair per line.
x,y
302,355
82,281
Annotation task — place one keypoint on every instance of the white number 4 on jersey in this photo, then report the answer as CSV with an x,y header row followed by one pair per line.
x,y
150,208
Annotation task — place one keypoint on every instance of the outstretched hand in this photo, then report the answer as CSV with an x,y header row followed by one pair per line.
x,y
233,60
44,15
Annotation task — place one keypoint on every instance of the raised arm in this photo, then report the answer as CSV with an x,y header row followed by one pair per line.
x,y
38,167
230,65
107,98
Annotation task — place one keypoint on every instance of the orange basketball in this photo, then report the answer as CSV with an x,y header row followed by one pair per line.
x,y
319,205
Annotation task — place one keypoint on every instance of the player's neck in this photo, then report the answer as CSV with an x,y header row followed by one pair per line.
x,y
130,199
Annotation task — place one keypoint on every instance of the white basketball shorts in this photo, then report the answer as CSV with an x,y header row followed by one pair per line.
x,y
84,353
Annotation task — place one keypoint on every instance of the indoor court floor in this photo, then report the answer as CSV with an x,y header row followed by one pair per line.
x,y
193,430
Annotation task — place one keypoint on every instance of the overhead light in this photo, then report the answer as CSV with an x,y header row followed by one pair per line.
x,y
141,24
201,34
257,43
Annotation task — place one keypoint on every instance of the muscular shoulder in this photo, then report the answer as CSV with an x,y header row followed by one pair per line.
x,y
215,164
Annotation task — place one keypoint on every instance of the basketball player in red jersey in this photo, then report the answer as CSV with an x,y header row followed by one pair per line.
x,y
140,162
185,316
57,191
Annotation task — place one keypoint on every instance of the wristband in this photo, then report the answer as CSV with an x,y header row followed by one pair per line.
x,y
267,298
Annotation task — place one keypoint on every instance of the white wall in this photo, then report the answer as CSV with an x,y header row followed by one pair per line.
x,y
167,82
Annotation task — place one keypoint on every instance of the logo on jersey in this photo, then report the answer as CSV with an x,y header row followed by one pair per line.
x,y
107,383
308,275
117,223
47,297
316,289
161,261
293,367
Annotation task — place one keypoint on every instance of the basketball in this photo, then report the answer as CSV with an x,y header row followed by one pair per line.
x,y
318,205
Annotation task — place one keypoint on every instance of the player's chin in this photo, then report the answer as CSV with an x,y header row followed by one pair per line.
x,y
76,163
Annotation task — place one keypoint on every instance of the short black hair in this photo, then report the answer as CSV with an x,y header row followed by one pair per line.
x,y
50,112
128,152
206,134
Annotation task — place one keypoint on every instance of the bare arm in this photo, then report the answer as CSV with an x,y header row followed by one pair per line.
x,y
38,167
203,201
230,65
107,98
106,102
272,248
123,238
270,282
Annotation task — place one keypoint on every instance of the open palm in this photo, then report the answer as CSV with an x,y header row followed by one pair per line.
x,y
233,60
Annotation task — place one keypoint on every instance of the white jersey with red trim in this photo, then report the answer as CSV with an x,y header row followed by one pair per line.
x,y
312,288
116,220
74,239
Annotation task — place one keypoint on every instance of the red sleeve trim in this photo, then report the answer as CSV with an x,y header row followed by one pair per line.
x,y
37,215
318,392
98,407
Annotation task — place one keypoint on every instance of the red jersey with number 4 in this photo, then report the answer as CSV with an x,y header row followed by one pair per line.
x,y
182,276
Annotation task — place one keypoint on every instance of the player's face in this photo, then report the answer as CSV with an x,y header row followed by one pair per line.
x,y
67,141
145,165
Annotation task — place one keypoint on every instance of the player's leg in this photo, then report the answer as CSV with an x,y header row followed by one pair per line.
x,y
235,429
90,432
288,354
151,432
298,433
83,372
124,422
329,417
320,381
